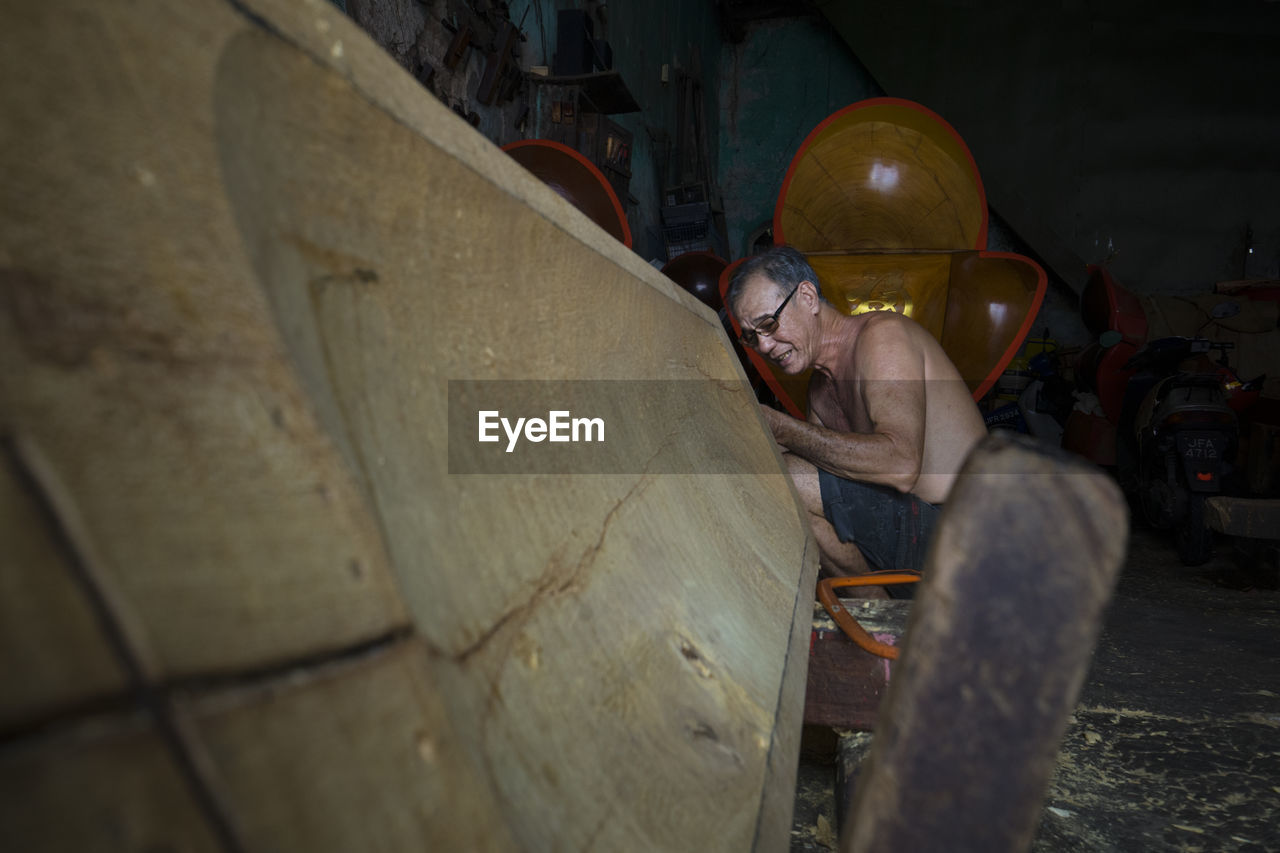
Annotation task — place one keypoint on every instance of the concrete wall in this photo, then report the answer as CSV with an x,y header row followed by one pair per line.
x,y
1146,133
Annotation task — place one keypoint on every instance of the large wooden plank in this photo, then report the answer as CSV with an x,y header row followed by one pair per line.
x,y
53,653
108,784
233,305
137,359
353,755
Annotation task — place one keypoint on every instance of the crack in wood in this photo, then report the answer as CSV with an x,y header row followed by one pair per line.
x,y
549,585
722,384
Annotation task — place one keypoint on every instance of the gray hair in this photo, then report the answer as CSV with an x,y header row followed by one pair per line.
x,y
784,266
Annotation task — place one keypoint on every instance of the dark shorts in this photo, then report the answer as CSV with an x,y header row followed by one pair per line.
x,y
891,529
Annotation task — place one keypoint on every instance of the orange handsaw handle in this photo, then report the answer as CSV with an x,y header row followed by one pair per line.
x,y
843,618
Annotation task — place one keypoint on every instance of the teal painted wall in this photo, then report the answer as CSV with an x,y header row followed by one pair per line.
x,y
782,80
644,36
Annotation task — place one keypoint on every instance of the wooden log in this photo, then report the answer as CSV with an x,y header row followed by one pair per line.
x,y
845,683
250,256
999,640
1250,518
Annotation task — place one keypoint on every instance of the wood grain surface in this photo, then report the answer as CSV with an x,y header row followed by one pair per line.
x,y
249,256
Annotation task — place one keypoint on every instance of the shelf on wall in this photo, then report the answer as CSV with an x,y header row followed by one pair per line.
x,y
603,91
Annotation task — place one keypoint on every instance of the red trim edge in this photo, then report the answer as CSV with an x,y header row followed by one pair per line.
x,y
591,167
1042,283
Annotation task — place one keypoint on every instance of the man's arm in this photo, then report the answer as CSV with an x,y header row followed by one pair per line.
x,y
894,396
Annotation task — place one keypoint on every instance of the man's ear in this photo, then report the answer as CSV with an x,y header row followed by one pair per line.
x,y
809,290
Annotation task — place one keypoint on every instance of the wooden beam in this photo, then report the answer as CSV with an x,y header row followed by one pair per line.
x,y
1000,637
251,255
1250,518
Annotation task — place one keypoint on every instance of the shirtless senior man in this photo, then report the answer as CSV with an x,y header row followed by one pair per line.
x,y
890,420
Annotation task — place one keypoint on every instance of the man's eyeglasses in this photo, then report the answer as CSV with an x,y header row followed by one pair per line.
x,y
750,337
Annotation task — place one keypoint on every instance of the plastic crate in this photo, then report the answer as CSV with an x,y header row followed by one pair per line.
x,y
688,237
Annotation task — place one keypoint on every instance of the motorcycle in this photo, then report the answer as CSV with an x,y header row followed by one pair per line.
x,y
1178,435
1043,405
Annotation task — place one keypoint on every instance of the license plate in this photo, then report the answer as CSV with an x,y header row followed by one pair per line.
x,y
1200,447
1202,454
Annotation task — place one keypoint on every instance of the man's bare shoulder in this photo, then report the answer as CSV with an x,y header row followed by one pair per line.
x,y
889,340
888,325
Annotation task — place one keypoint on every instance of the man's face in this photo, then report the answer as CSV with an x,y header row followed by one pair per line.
x,y
784,345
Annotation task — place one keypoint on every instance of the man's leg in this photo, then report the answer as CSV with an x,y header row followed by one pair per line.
x,y
838,558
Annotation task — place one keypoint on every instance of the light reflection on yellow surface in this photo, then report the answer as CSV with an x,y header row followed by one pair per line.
x,y
858,293
884,299
910,284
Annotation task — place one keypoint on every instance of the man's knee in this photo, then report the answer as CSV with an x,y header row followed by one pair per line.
x,y
805,477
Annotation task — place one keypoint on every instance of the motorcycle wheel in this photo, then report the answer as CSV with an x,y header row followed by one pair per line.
x,y
1193,539
1155,515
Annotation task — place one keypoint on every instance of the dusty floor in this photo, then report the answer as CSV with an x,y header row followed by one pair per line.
x,y
1175,742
